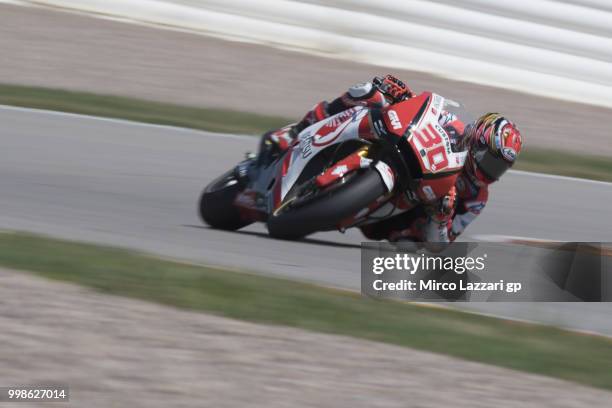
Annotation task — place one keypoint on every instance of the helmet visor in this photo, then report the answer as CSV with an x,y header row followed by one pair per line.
x,y
491,165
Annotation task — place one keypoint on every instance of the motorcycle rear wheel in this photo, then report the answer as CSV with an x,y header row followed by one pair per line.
x,y
325,211
216,206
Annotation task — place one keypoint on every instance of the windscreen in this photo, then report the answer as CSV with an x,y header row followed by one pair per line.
x,y
455,119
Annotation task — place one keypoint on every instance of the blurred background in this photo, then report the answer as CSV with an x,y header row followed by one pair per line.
x,y
187,84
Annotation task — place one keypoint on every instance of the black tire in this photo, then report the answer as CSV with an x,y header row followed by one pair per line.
x,y
216,205
326,211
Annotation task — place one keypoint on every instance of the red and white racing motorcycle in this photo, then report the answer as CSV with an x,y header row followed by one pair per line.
x,y
357,167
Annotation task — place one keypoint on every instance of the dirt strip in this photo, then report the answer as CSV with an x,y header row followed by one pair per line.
x,y
50,48
113,351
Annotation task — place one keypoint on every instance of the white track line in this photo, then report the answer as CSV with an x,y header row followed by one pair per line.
x,y
557,177
120,121
234,136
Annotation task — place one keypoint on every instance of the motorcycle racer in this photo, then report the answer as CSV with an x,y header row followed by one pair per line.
x,y
378,93
493,143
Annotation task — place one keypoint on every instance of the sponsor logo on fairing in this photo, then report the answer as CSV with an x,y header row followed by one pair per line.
x,y
395,121
340,170
445,137
429,193
332,130
386,173
380,128
306,146
364,162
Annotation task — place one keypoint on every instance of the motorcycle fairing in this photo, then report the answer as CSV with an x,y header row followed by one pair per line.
x,y
405,119
336,129
417,119
429,140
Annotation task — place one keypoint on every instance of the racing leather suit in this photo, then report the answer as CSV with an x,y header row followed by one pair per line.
x,y
472,197
364,94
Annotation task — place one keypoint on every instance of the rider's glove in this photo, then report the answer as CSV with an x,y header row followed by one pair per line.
x,y
394,89
442,210
448,202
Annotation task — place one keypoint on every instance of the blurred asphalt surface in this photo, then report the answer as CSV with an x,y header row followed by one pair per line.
x,y
135,185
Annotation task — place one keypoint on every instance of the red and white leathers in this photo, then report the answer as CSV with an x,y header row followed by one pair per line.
x,y
378,93
494,144
445,219
465,202
472,197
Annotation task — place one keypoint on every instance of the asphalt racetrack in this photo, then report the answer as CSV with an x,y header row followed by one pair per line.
x,y
135,185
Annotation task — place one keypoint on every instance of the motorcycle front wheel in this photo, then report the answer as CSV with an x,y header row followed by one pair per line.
x,y
216,206
326,210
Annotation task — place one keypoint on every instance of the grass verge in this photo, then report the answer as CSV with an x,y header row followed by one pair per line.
x,y
219,120
566,164
532,348
214,120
